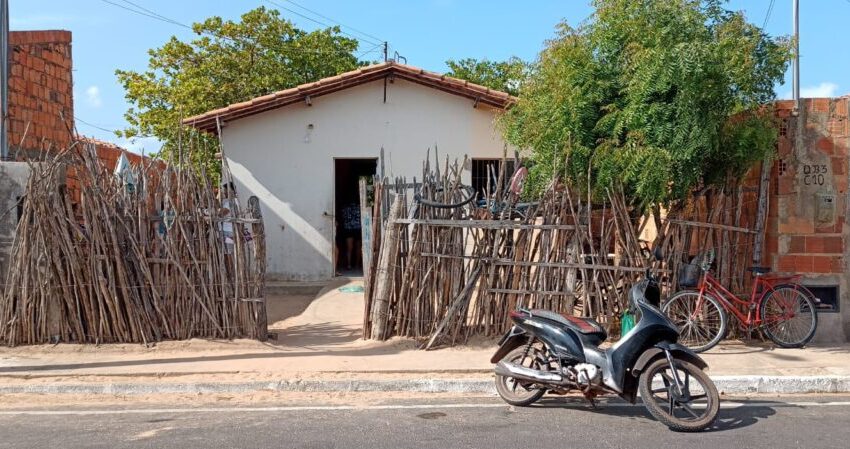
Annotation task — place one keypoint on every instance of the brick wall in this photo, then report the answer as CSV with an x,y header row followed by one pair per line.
x,y
40,90
808,201
807,230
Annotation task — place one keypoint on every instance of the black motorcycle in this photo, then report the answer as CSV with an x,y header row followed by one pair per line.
x,y
548,352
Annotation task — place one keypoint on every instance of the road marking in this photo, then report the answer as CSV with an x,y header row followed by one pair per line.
x,y
724,404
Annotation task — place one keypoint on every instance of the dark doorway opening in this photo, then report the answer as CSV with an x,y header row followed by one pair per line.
x,y
485,172
348,260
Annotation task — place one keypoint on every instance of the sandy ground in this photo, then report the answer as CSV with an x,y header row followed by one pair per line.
x,y
320,337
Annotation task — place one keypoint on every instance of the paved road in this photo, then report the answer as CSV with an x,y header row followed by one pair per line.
x,y
807,422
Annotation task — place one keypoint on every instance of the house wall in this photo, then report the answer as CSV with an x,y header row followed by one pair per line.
x,y
41,104
13,183
290,168
807,227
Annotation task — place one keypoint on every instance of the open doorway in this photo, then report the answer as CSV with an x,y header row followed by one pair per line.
x,y
348,259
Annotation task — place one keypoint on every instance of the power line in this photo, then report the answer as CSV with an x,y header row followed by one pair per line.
x,y
147,14
769,12
154,15
316,21
370,36
93,125
373,49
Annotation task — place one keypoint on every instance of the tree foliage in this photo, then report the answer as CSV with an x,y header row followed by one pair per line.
x,y
506,76
660,96
227,63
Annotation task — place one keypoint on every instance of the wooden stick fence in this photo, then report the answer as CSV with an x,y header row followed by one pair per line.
x,y
442,274
139,259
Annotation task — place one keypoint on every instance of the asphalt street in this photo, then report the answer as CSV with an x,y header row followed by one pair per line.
x,y
798,422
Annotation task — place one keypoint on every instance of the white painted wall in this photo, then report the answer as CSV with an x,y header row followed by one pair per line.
x,y
271,157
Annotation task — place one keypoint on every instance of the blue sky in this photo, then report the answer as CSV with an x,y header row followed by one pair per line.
x,y
426,32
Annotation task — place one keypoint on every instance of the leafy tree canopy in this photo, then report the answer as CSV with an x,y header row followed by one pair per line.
x,y
228,62
659,96
506,76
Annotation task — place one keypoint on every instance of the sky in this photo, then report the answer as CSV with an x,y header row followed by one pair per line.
x,y
107,37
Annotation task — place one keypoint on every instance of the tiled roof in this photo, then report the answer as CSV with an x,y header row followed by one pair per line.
x,y
483,95
109,152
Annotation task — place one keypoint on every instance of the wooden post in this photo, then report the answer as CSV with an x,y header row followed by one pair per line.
x,y
383,281
365,230
764,182
457,304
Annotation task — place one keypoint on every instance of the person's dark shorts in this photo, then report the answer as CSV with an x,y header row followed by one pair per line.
x,y
343,234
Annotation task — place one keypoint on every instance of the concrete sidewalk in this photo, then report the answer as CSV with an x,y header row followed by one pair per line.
x,y
318,341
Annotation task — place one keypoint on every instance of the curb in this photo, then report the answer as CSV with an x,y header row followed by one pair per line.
x,y
725,385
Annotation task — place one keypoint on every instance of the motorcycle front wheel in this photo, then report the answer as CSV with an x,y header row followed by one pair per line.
x,y
516,392
689,405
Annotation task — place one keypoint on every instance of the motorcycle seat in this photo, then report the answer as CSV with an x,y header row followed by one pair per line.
x,y
586,326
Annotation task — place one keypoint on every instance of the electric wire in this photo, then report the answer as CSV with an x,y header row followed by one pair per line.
x,y
93,125
156,16
363,33
769,12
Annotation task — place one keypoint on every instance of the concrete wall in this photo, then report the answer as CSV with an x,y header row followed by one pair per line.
x,y
807,228
290,168
13,183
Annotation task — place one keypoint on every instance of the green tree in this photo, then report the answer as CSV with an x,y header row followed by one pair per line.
x,y
228,62
660,96
506,76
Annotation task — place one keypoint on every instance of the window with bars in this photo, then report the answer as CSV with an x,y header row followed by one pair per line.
x,y
486,171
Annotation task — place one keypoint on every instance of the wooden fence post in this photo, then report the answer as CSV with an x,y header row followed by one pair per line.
x,y
384,273
365,230
761,215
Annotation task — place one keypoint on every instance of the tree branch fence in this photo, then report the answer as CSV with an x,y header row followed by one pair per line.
x,y
443,274
139,259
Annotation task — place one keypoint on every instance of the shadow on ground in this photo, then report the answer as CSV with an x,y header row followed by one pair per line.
x,y
727,419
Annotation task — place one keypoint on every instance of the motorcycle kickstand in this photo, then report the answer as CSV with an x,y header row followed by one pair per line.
x,y
589,395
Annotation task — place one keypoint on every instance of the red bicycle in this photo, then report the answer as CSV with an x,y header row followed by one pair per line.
x,y
780,307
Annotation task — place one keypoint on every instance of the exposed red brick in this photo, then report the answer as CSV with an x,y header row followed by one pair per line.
x,y
839,166
786,264
823,245
40,93
840,106
771,243
826,264
819,104
797,245
825,145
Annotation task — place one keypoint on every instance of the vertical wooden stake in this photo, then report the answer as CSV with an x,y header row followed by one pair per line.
x,y
383,281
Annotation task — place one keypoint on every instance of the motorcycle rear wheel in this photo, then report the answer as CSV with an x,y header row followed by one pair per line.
x,y
516,392
693,410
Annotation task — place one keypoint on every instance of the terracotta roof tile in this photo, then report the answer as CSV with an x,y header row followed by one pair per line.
x,y
207,121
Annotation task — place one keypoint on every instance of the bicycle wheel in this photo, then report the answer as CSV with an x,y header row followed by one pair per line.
x,y
699,328
789,316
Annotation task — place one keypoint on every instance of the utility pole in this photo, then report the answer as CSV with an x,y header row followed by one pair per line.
x,y
795,72
4,78
386,51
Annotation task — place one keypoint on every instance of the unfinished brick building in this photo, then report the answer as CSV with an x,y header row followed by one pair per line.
x,y
807,226
41,100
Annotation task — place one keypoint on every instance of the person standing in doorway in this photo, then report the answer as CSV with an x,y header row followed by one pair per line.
x,y
350,231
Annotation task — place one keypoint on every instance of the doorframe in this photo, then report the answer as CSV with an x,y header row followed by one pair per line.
x,y
334,208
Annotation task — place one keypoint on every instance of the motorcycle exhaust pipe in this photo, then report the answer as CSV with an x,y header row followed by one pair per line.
x,y
519,372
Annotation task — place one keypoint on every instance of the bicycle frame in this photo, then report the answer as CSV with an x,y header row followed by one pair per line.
x,y
732,303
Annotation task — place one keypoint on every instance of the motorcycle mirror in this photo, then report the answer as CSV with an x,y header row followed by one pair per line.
x,y
659,255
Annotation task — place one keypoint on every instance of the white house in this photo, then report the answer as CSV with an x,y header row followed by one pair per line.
x,y
301,150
